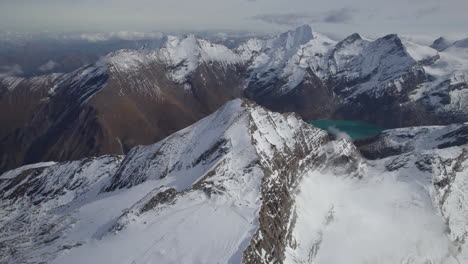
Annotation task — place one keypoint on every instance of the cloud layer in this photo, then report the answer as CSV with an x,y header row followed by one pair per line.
x,y
341,15
13,70
120,17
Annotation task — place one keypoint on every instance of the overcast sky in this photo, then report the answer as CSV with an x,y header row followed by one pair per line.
x,y
341,17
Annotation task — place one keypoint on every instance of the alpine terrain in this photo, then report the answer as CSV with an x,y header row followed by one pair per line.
x,y
134,97
195,151
247,185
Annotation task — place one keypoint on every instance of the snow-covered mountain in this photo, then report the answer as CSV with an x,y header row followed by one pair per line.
x,y
246,185
128,98
134,97
440,44
208,193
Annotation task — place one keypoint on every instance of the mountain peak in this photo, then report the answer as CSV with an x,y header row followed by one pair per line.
x,y
348,40
440,44
463,43
304,30
294,38
185,54
354,36
393,38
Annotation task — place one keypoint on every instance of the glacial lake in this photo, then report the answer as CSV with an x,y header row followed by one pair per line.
x,y
355,129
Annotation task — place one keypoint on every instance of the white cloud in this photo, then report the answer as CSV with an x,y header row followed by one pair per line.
x,y
375,220
13,70
123,35
48,66
337,16
338,133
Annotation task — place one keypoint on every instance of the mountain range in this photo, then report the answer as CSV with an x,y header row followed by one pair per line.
x,y
247,185
134,97
196,152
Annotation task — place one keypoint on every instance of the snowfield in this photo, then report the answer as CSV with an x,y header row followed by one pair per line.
x,y
248,185
223,189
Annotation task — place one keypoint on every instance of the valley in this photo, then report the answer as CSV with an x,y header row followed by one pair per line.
x,y
196,151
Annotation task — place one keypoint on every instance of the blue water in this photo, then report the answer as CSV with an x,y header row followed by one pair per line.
x,y
355,129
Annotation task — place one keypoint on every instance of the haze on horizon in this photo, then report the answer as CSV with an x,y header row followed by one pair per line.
x,y
419,18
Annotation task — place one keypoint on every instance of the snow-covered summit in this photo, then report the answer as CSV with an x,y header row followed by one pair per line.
x,y
181,56
440,44
365,66
293,38
185,54
285,57
244,185
220,184
447,90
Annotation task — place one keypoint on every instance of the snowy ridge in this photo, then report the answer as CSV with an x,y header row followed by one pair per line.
x,y
210,176
184,55
16,172
351,70
128,60
181,55
286,56
398,212
11,82
450,193
440,44
463,43
373,67
33,83
448,91
27,220
357,65
245,185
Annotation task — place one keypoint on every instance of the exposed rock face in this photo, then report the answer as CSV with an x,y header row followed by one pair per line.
x,y
20,99
375,79
284,73
242,161
400,141
135,97
252,186
127,99
449,188
29,197
437,156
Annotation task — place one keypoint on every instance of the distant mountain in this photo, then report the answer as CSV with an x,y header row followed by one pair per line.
x,y
440,44
246,185
34,57
30,55
128,98
136,97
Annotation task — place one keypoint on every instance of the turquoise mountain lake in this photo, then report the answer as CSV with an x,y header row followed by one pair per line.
x,y
355,129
